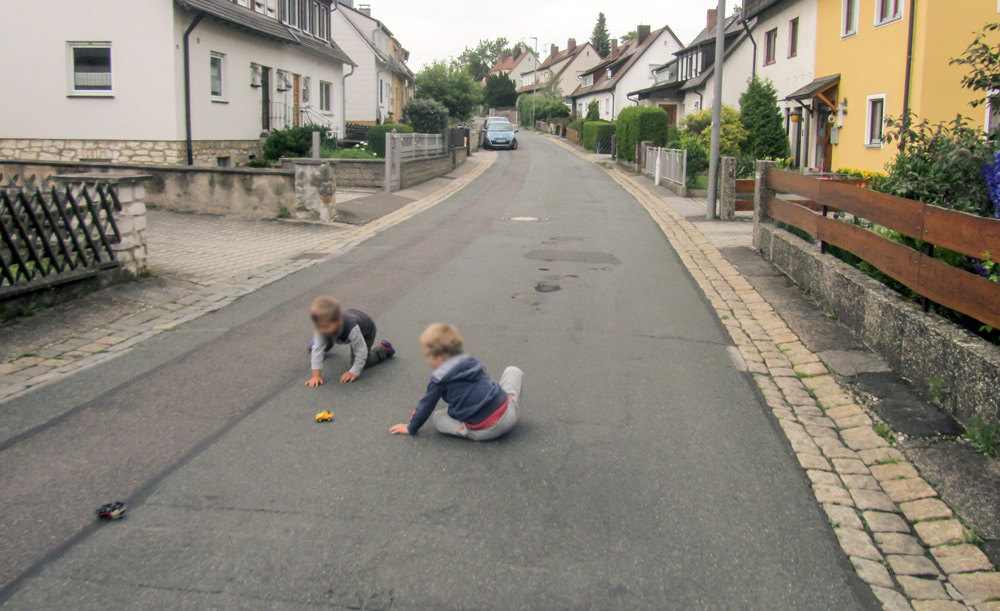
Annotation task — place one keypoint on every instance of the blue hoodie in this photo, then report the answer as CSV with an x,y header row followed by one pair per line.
x,y
465,386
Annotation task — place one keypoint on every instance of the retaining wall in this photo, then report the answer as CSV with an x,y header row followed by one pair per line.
x,y
205,152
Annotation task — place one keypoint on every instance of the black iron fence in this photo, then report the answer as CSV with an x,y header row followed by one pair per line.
x,y
56,234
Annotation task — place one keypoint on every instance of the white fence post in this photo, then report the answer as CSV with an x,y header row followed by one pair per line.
x,y
656,176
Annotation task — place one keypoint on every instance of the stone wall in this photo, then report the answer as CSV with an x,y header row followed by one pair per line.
x,y
206,152
416,171
367,173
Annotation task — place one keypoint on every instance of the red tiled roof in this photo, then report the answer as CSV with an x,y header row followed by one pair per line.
x,y
623,61
555,58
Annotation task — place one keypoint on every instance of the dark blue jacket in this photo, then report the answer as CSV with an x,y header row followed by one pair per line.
x,y
465,386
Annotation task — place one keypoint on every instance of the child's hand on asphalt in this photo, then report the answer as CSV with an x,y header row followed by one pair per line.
x,y
400,429
348,377
314,382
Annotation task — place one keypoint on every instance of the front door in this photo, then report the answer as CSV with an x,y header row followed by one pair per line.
x,y
296,100
265,98
671,113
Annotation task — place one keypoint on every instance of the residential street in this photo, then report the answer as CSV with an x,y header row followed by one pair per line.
x,y
645,473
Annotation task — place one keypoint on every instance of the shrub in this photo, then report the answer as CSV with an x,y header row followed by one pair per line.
x,y
376,136
426,116
296,141
594,111
578,125
260,162
640,123
596,131
697,155
352,153
733,133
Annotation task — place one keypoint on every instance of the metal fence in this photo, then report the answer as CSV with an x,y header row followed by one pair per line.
x,y
50,235
418,146
666,164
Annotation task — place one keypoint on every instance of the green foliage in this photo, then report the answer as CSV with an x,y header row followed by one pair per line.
x,y
451,85
376,136
426,116
487,53
500,92
982,57
631,35
260,162
283,212
759,114
351,153
594,111
884,431
596,131
578,126
638,124
983,437
600,37
733,133
295,141
544,109
697,156
940,164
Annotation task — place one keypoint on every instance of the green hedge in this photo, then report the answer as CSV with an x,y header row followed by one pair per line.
x,y
376,136
593,131
638,124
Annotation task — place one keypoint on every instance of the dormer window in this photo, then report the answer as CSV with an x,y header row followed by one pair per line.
x,y
608,77
588,80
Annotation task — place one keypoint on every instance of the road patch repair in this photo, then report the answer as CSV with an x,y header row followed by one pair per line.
x,y
902,540
56,360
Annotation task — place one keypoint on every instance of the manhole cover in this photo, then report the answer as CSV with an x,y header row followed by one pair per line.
x,y
524,219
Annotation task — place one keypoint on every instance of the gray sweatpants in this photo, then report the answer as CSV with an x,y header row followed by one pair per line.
x,y
511,382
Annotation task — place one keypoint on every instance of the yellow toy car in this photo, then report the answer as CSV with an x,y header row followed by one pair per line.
x,y
324,416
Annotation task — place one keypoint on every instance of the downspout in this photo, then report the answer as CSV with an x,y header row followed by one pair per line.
x,y
701,101
753,71
907,78
187,86
343,96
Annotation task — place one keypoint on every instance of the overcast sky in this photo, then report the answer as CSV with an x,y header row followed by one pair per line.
x,y
438,29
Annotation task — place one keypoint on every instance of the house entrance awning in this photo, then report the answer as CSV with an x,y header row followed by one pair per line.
x,y
816,88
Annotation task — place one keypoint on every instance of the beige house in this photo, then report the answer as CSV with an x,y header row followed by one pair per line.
x,y
561,67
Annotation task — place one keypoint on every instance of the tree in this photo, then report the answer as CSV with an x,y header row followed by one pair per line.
x,y
631,35
760,116
594,111
487,53
500,92
426,116
451,85
601,38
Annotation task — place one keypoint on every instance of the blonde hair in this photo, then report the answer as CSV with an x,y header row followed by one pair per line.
x,y
441,339
325,309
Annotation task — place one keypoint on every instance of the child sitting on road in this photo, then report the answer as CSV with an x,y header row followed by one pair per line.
x,y
352,327
478,408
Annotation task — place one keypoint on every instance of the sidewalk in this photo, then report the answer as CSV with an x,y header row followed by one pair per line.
x,y
900,537
220,261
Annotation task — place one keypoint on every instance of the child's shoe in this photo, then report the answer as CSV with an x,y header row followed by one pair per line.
x,y
389,350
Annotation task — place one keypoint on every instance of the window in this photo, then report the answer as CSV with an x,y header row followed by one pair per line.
x,y
793,37
588,80
770,47
90,68
850,23
876,121
306,86
217,66
887,11
325,89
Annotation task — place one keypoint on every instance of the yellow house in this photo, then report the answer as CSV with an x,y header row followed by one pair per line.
x,y
864,76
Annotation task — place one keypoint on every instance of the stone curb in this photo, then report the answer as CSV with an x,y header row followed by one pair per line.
x,y
56,361
900,538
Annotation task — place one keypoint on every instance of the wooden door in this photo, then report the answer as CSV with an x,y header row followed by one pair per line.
x,y
296,100
671,113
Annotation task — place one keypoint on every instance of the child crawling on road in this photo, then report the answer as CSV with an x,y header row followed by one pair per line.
x,y
352,327
478,408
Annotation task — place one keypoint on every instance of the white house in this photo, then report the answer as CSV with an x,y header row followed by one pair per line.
x,y
627,68
521,62
381,83
107,79
561,68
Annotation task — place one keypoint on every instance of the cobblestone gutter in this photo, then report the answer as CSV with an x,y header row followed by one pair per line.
x,y
902,540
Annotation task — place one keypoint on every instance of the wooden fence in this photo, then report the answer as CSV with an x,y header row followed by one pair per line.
x,y
807,202
573,136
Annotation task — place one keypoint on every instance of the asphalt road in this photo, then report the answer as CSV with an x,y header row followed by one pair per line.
x,y
644,474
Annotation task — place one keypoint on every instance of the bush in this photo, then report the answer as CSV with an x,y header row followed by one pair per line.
x,y
259,162
352,153
426,116
296,141
697,155
596,131
594,111
640,123
545,109
376,136
733,133
578,125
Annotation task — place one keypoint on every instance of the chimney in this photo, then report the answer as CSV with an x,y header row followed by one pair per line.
x,y
713,19
571,44
614,47
517,51
641,32
553,50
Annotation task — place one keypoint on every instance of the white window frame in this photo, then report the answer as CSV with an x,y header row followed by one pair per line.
x,y
879,22
221,96
325,97
306,86
72,91
849,23
869,143
990,126
588,80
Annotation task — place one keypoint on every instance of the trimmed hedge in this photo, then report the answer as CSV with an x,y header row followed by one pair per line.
x,y
376,136
638,124
595,131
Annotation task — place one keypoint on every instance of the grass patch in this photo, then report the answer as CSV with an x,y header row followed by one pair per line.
x,y
889,460
938,391
283,212
883,431
353,153
984,438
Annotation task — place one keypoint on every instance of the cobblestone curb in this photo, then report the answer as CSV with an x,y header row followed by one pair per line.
x,y
55,361
902,540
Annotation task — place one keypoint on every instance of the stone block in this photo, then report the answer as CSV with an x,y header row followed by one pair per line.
x,y
872,572
961,559
925,509
896,543
840,515
857,543
872,500
881,521
940,532
917,566
902,490
977,587
922,589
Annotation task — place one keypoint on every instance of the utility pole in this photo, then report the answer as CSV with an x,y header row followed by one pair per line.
x,y
534,83
713,165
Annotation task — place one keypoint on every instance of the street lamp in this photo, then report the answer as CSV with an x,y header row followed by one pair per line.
x,y
534,83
